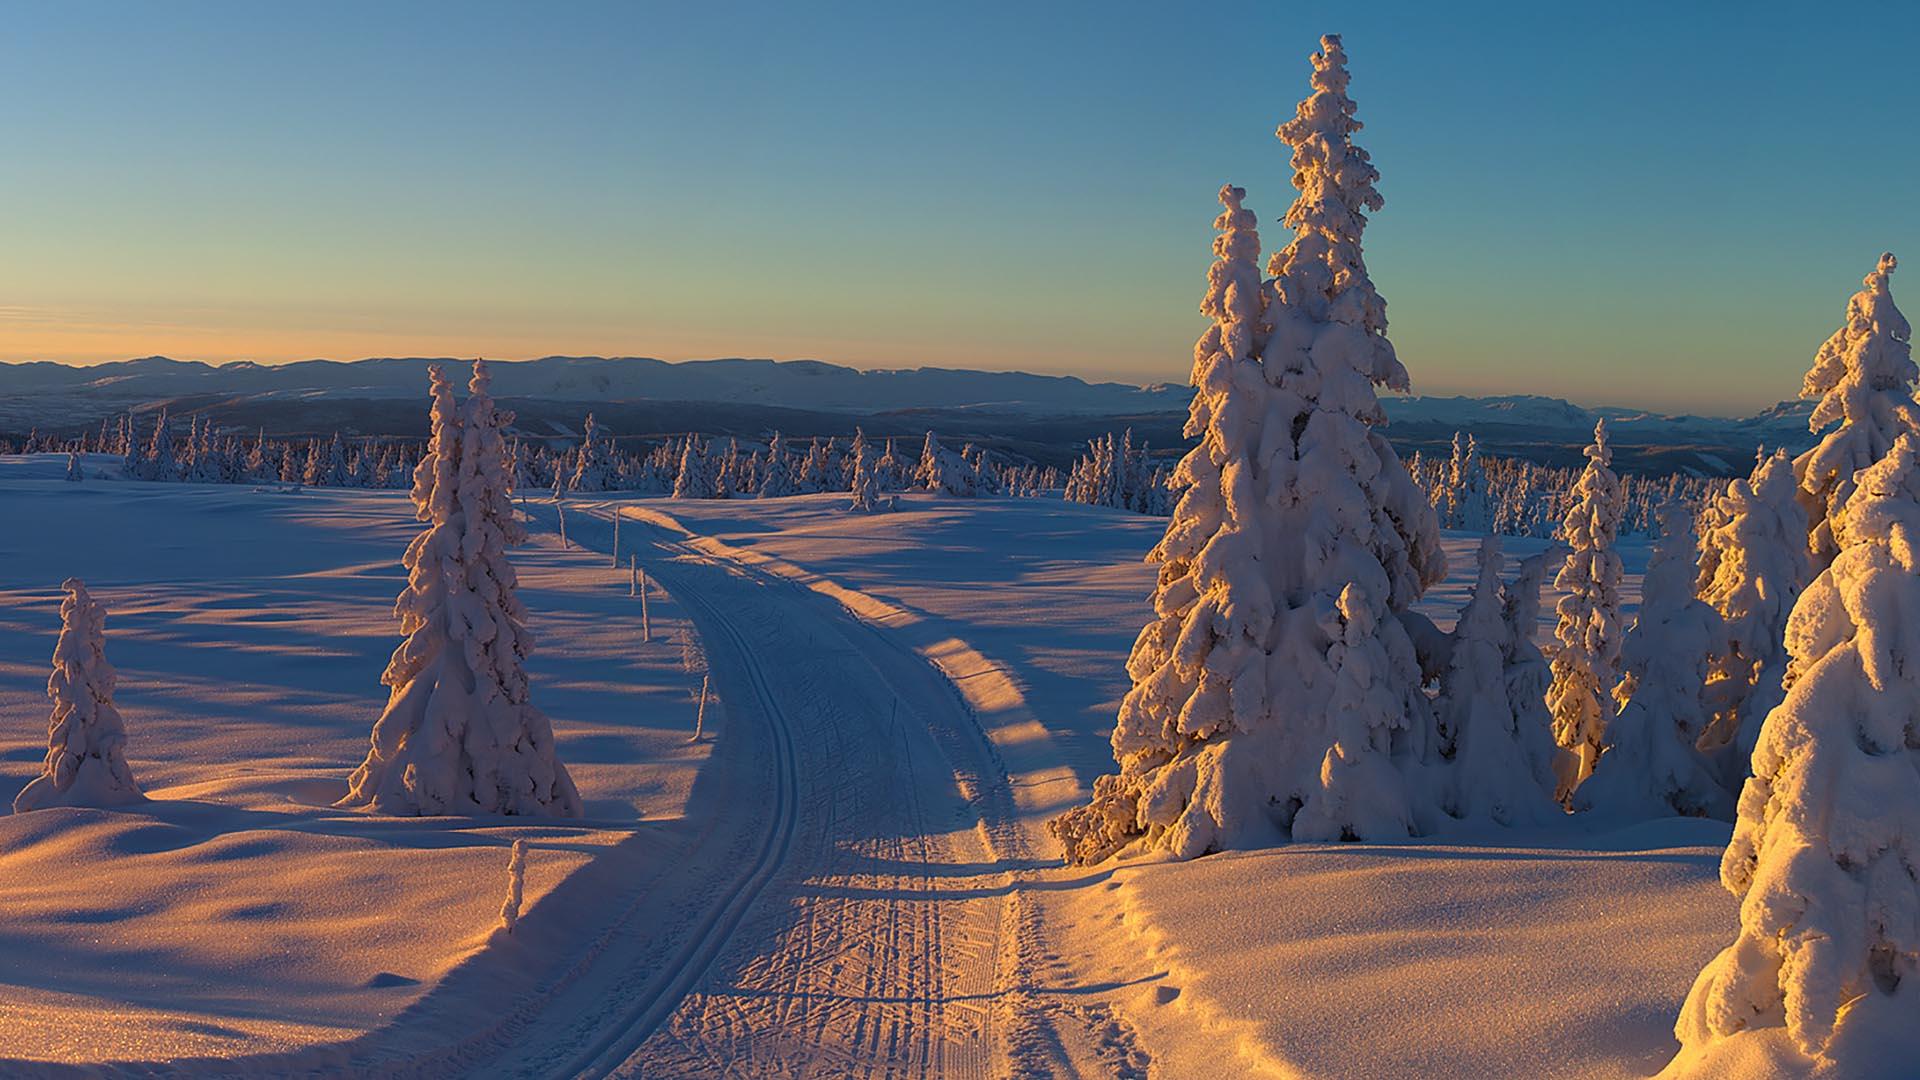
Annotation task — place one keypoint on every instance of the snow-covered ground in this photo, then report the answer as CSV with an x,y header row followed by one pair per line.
x,y
236,913
848,874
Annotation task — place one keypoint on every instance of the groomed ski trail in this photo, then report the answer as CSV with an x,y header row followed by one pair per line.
x,y
890,938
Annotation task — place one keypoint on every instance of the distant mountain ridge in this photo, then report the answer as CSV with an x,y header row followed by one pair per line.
x,y
1046,416
798,384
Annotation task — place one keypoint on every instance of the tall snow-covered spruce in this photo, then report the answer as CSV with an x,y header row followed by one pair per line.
x,y
86,762
1825,973
460,734
1588,663
1753,566
1652,766
1863,377
1276,691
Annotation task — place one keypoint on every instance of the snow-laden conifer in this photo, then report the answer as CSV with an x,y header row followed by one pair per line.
x,y
594,471
1863,377
460,734
1826,853
86,763
1753,567
1652,766
160,463
776,480
866,484
1588,663
695,479
1500,751
1276,690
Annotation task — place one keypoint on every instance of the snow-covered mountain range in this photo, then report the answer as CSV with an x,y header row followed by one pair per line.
x,y
637,395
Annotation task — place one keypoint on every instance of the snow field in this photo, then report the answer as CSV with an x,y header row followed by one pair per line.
x,y
236,914
1029,607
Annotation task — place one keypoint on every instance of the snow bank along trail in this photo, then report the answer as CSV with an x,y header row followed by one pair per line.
x,y
892,940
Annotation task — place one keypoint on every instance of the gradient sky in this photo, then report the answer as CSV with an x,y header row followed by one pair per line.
x,y
1647,204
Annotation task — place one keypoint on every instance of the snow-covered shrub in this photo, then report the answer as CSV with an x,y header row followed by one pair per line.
x,y
1652,766
1863,377
1588,662
1276,691
460,734
86,763
516,887
1826,853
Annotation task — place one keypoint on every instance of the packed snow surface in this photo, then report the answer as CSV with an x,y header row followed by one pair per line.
x,y
947,675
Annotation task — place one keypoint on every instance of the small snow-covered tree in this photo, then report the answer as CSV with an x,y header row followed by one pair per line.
x,y
866,485
86,763
695,479
1501,749
1588,663
1470,508
1651,766
944,472
1276,691
594,471
776,480
1863,377
1753,567
74,472
1826,852
160,463
460,734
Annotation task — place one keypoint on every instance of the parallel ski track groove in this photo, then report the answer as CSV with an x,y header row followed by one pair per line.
x,y
696,956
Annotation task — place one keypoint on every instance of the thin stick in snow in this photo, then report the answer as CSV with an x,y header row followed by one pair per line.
x,y
646,617
616,538
562,511
633,575
516,886
700,718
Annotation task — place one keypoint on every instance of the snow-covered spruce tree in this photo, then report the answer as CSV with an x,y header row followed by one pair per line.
x,y
866,486
1826,852
1276,691
86,762
74,472
1588,663
1501,750
944,472
1470,508
1652,766
460,734
1864,376
595,469
777,479
160,463
695,479
1753,567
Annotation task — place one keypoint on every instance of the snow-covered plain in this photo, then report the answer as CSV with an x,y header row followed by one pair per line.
x,y
911,913
236,913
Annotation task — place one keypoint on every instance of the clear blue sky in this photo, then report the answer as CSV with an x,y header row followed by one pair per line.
x,y
1649,204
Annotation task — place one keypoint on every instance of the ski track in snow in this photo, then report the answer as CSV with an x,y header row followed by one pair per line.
x,y
883,935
